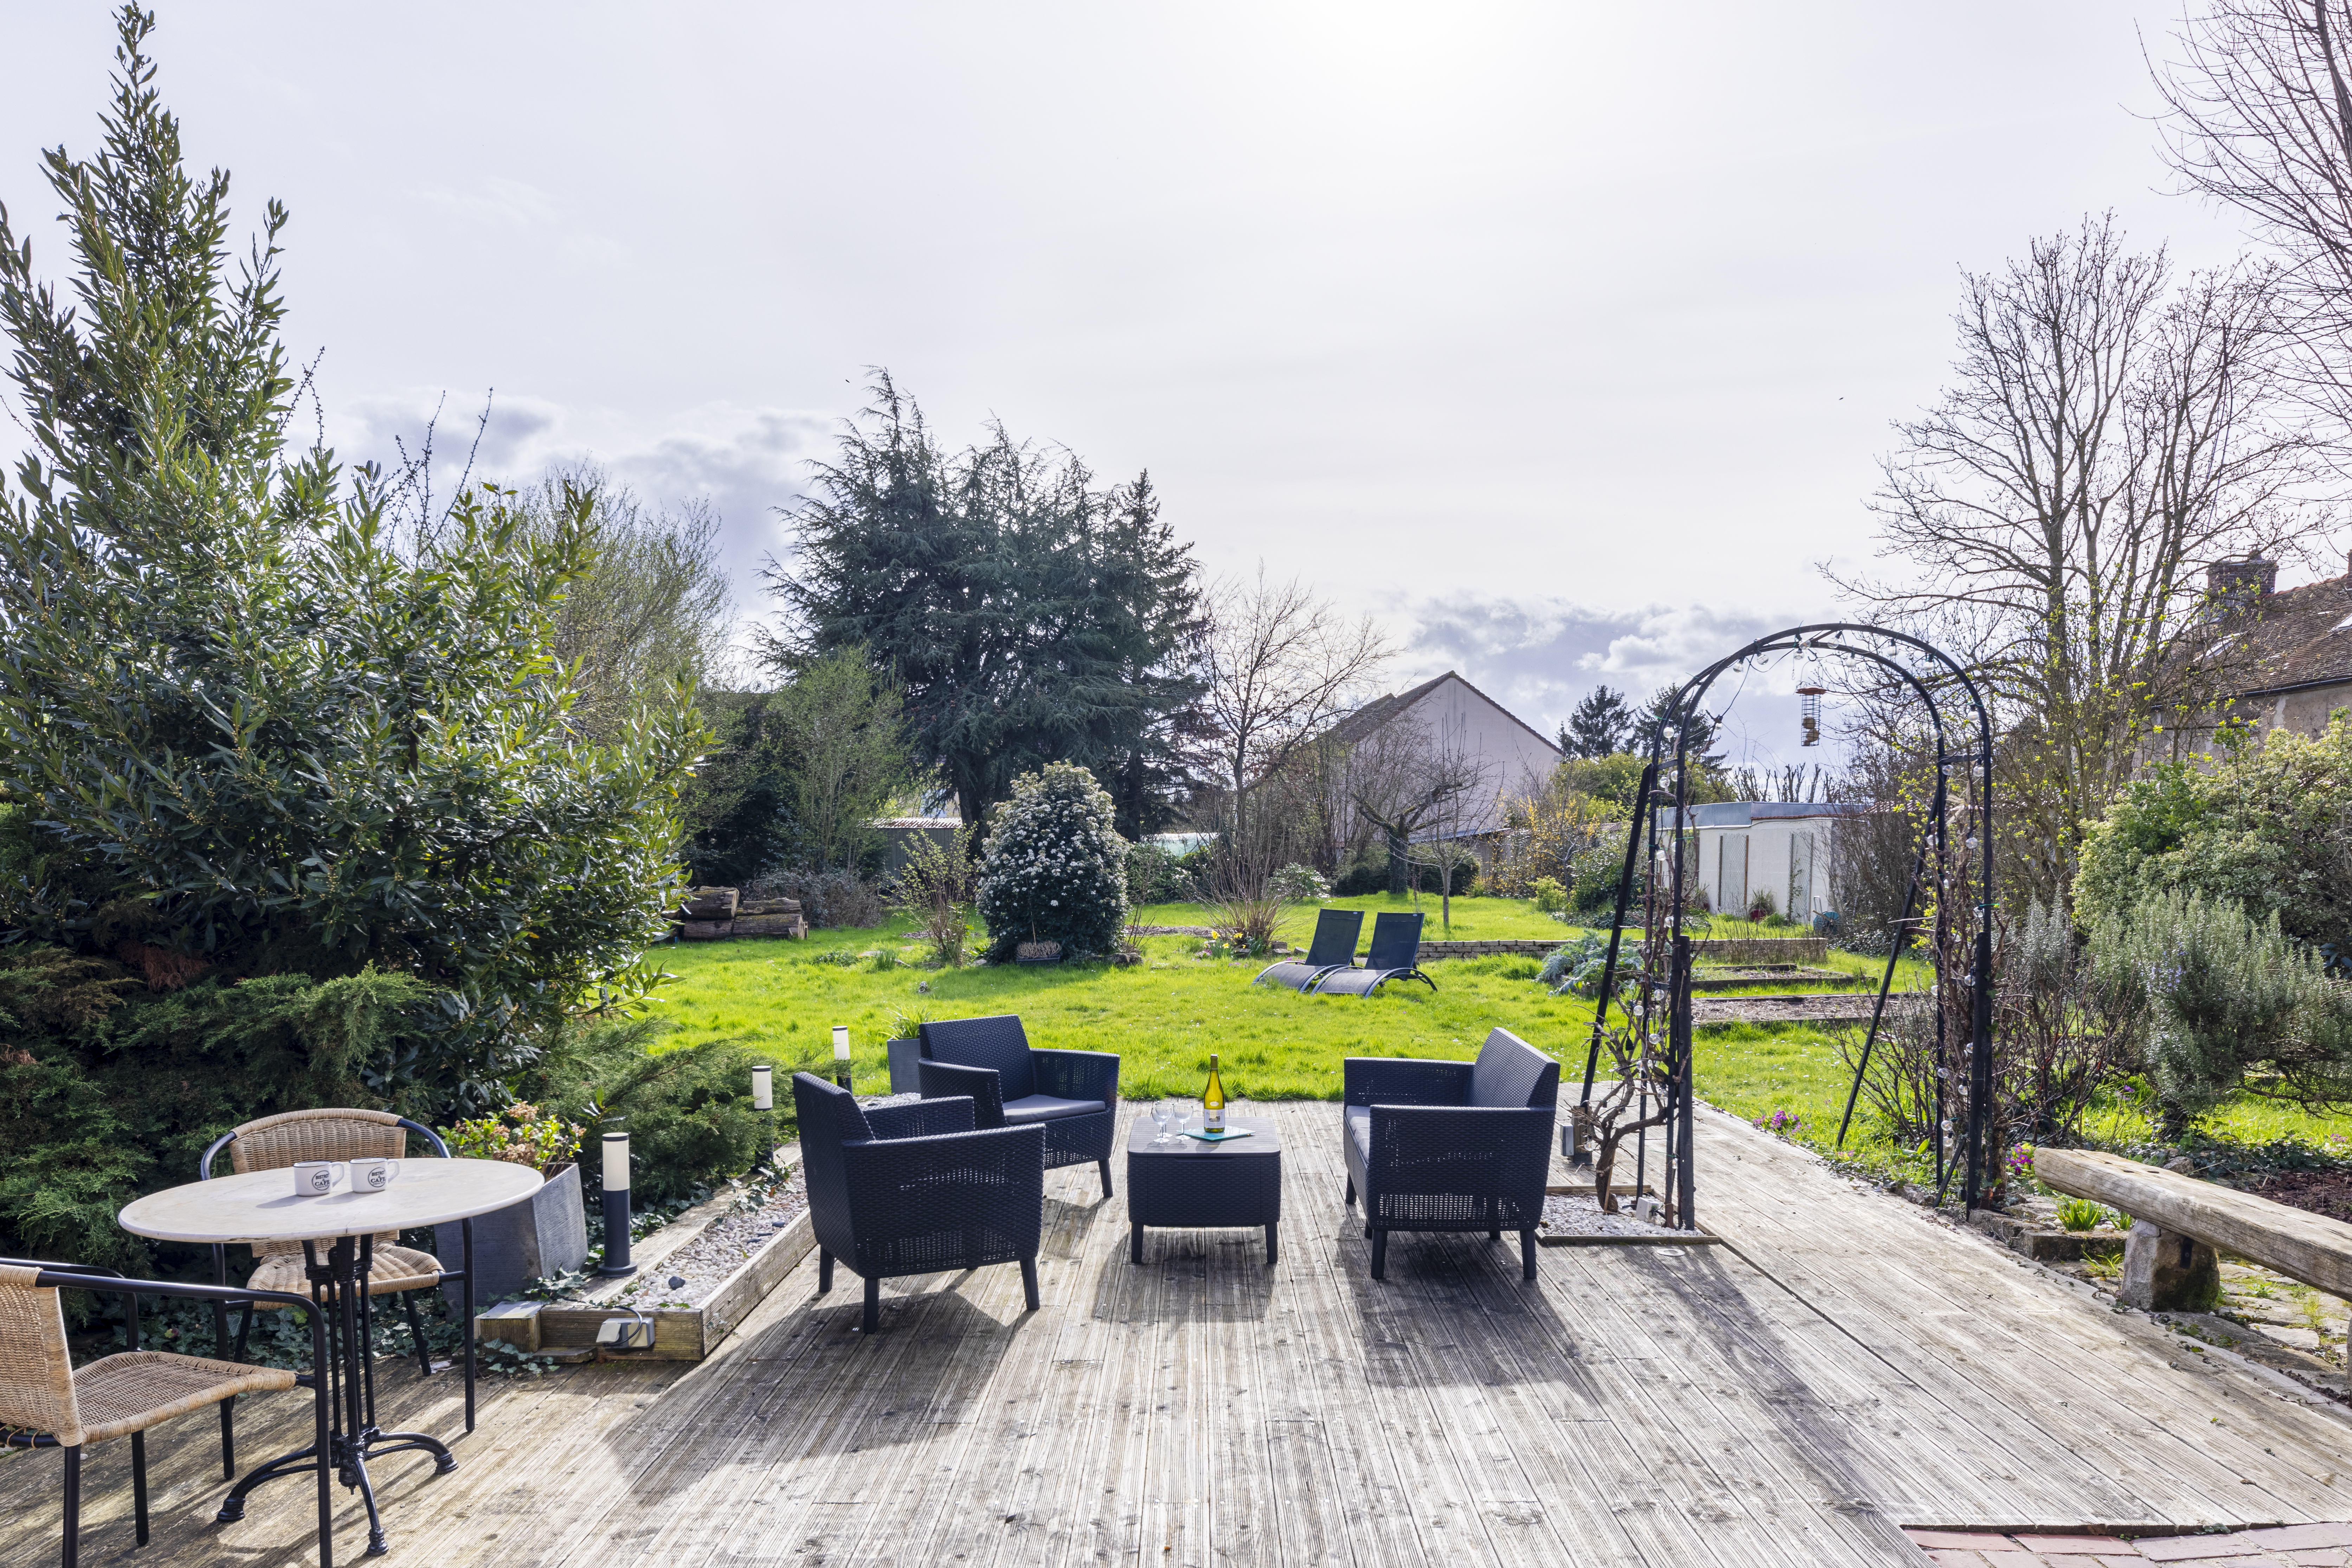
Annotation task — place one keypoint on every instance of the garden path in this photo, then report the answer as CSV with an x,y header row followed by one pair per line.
x,y
1847,1364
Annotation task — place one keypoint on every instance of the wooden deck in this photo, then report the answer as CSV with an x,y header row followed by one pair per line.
x,y
1846,1365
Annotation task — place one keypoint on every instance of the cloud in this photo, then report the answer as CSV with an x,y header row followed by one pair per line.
x,y
743,461
1538,658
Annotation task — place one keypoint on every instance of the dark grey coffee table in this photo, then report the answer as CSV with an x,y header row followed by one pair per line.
x,y
1199,1186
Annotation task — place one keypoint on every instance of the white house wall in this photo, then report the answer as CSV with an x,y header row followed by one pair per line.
x,y
1516,760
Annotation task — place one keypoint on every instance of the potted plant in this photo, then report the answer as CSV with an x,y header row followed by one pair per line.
x,y
544,1235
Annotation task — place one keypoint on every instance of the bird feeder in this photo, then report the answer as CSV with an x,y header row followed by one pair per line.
x,y
1810,697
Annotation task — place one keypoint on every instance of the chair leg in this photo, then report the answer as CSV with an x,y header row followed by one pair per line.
x,y
823,1272
1380,1253
139,1483
1352,1191
228,1439
1029,1281
1104,1166
873,1303
73,1506
416,1332
1527,1256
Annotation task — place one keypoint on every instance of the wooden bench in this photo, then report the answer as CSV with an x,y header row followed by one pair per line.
x,y
2169,1259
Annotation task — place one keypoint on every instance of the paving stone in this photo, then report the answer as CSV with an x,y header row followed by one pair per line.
x,y
2077,1545
2203,1549
2294,1537
1960,1539
1949,1557
2325,1557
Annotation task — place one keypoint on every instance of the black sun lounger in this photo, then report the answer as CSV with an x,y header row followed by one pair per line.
x,y
1396,943
1334,947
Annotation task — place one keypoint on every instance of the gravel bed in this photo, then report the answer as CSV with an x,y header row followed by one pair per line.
x,y
688,1276
1568,1214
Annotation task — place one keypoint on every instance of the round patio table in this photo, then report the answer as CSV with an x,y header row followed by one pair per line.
x,y
261,1206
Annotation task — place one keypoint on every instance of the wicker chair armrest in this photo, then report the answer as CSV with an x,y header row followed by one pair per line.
x,y
983,1086
1078,1075
1404,1080
916,1186
923,1118
1476,1149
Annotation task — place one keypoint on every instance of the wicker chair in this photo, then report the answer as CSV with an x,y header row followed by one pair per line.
x,y
914,1189
1074,1094
276,1143
49,1403
1435,1145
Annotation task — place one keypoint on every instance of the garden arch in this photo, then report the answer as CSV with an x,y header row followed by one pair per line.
x,y
1667,963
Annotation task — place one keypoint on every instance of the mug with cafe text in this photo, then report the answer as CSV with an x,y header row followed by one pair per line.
x,y
373,1174
315,1178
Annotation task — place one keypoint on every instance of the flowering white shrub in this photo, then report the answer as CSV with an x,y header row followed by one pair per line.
x,y
1055,869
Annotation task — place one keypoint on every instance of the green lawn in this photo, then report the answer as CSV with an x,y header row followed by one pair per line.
x,y
1164,1016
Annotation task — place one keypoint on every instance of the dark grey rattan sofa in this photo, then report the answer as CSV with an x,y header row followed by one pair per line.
x,y
1073,1095
1435,1145
914,1189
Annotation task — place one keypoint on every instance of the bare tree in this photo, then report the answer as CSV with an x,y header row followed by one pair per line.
x,y
1281,666
2106,436
2260,101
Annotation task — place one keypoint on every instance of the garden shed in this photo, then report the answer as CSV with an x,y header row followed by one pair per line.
x,y
1747,848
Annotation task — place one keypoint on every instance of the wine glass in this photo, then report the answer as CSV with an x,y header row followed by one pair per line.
x,y
1160,1115
1183,1118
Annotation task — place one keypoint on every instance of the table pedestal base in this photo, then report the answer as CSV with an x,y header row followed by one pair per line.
x,y
336,1287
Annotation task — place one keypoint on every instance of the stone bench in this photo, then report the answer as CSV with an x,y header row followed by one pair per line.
x,y
2178,1222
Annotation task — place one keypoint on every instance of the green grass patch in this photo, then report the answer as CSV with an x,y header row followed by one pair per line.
x,y
1475,918
1163,1016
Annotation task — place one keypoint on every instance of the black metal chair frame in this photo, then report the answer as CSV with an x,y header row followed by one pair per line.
x,y
1440,1163
1334,947
463,1275
1070,1074
924,1192
1380,964
85,1276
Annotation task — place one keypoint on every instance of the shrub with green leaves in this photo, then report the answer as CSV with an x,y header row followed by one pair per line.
x,y
1297,884
294,799
1055,868
2268,828
2222,995
1548,896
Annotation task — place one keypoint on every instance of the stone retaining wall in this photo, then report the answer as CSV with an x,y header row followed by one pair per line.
x,y
1535,949
1762,950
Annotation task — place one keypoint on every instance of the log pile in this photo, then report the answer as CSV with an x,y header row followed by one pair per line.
x,y
719,914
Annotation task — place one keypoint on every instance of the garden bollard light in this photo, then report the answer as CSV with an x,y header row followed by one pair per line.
x,y
763,1087
841,1055
616,1206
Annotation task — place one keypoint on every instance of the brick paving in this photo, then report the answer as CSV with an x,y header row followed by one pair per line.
x,y
2270,1547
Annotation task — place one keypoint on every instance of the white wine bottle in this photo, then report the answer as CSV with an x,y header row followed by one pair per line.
x,y
1212,1102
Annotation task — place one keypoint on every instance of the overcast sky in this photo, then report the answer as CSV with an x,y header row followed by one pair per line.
x,y
1563,338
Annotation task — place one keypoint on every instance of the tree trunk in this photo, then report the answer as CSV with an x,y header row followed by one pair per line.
x,y
1398,869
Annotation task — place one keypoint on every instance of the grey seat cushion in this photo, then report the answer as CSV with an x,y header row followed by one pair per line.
x,y
1047,1107
1359,1129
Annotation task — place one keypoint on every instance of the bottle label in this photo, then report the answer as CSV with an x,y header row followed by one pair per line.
x,y
1214,1120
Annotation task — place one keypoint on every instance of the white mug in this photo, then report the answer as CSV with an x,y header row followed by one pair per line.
x,y
315,1178
375,1174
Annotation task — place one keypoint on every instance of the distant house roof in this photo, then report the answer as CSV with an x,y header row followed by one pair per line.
x,y
1747,813
1380,710
2302,637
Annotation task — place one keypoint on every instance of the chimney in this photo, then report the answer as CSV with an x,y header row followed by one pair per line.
x,y
2236,586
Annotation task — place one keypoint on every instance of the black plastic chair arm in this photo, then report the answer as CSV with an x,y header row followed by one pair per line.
x,y
943,1081
1404,1080
919,1186
924,1118
1078,1075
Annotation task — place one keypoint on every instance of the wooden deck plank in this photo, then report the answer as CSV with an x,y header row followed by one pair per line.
x,y
1844,1363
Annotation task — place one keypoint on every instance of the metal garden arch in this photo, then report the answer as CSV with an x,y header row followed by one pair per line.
x,y
1674,1078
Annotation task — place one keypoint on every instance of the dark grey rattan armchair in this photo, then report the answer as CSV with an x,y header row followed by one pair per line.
x,y
1435,1145
913,1189
1074,1094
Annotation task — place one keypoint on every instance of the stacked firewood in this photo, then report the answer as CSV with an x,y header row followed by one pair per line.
x,y
716,914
